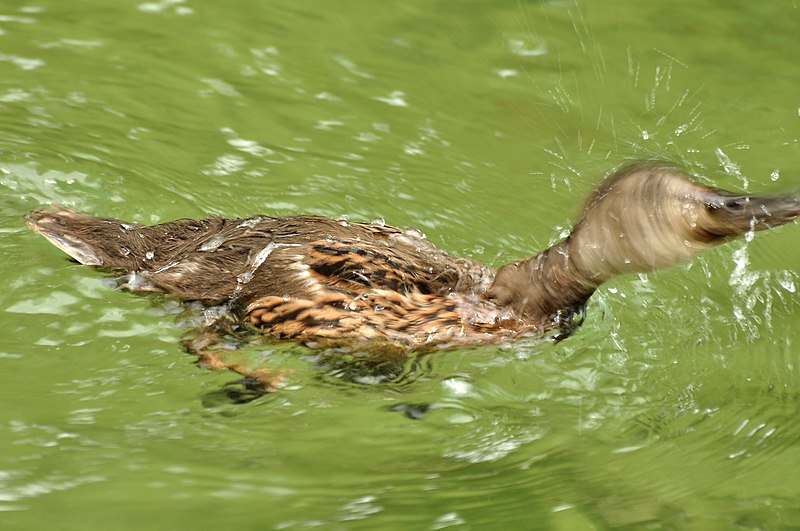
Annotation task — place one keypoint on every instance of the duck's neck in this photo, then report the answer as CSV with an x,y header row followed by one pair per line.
x,y
644,217
546,290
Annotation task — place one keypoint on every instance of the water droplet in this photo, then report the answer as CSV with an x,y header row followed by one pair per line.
x,y
379,308
379,221
786,281
249,223
149,255
213,243
775,175
529,46
414,233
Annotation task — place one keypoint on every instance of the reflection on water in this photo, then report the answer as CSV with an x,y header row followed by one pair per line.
x,y
673,406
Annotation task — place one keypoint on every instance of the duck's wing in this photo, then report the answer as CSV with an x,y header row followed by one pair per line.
x,y
356,261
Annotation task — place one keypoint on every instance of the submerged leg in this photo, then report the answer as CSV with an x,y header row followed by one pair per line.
x,y
214,351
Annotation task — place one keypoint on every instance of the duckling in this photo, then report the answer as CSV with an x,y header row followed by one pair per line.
x,y
314,279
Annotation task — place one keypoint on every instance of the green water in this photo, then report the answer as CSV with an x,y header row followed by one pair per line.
x,y
483,124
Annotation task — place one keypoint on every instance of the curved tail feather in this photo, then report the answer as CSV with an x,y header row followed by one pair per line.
x,y
73,233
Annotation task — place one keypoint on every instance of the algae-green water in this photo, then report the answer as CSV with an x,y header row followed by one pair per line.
x,y
483,124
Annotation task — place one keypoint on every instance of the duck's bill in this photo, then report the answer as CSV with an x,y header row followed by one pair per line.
x,y
731,214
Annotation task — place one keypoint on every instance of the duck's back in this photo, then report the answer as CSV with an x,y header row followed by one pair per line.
x,y
306,257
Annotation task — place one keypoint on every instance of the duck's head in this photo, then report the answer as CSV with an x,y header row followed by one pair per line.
x,y
649,216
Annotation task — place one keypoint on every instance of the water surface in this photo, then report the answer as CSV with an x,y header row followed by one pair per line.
x,y
481,123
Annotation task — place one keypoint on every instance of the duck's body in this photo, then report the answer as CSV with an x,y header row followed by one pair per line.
x,y
313,278
300,277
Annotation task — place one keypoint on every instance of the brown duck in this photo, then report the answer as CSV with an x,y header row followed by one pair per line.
x,y
319,280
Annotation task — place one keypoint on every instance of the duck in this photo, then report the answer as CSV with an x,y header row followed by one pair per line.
x,y
322,281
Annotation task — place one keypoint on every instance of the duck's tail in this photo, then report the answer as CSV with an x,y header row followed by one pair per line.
x,y
90,240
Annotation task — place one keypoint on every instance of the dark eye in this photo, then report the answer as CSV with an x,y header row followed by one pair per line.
x,y
735,204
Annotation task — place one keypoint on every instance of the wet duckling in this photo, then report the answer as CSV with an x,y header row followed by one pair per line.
x,y
319,280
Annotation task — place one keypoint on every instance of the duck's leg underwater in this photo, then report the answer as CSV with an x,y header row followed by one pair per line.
x,y
214,348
